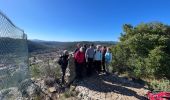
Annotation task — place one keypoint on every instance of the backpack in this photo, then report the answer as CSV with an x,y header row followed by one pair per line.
x,y
60,61
63,61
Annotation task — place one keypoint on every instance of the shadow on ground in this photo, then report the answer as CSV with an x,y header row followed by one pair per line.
x,y
112,83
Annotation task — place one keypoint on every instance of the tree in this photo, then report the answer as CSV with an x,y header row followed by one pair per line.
x,y
144,50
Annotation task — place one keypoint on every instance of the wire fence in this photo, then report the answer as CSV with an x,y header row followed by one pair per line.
x,y
13,54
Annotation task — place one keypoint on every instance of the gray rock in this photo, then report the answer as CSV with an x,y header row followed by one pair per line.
x,y
11,94
70,71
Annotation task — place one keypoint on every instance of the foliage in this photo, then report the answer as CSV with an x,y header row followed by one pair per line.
x,y
45,69
70,93
143,50
35,71
160,85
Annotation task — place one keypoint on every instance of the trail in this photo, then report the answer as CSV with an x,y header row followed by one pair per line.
x,y
111,87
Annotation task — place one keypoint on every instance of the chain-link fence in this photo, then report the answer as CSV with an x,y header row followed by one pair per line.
x,y
13,54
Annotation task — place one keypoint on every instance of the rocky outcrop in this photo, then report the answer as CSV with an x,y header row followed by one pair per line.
x,y
70,71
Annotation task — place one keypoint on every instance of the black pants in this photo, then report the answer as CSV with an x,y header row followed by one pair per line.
x,y
90,66
98,66
63,69
79,70
104,65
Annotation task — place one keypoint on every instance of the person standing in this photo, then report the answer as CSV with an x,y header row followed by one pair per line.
x,y
85,63
89,55
75,52
98,59
80,59
103,50
63,62
108,58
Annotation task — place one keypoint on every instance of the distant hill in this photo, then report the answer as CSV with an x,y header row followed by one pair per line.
x,y
40,45
12,45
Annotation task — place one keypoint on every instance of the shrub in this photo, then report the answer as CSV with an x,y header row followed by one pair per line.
x,y
160,85
143,50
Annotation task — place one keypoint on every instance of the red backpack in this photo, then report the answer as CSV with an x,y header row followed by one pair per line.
x,y
158,95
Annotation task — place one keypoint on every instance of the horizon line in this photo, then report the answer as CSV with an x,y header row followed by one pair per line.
x,y
74,41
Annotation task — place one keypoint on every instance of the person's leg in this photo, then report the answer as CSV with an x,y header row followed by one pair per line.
x,y
63,74
84,69
107,68
90,66
81,70
103,65
99,66
96,67
77,71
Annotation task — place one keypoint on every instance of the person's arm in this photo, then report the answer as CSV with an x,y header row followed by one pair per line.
x,y
105,57
100,56
75,50
75,55
110,57
86,55
94,55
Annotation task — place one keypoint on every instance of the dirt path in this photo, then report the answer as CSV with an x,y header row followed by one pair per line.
x,y
110,87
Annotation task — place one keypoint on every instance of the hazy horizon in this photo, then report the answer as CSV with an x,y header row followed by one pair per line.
x,y
69,41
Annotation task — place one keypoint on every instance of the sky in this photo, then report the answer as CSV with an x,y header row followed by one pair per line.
x,y
82,20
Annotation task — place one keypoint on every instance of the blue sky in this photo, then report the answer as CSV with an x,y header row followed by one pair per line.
x,y
77,20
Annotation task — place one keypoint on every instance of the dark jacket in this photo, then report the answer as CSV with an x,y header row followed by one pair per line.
x,y
63,61
103,54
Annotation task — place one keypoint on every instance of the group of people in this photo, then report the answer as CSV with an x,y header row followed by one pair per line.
x,y
88,60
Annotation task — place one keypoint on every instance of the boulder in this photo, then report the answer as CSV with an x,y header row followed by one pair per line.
x,y
52,89
50,81
70,71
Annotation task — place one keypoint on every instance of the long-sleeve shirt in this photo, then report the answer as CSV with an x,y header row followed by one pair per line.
x,y
108,57
98,55
89,53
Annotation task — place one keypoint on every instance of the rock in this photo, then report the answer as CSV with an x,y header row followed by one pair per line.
x,y
33,79
23,86
33,90
52,89
49,81
70,71
11,94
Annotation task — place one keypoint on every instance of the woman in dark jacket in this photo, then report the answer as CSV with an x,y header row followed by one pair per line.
x,y
63,62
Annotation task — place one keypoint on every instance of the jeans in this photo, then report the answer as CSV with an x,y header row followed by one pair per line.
x,y
79,70
98,66
104,66
90,66
63,73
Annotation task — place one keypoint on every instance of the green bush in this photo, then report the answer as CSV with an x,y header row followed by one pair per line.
x,y
161,85
143,50
35,71
45,69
